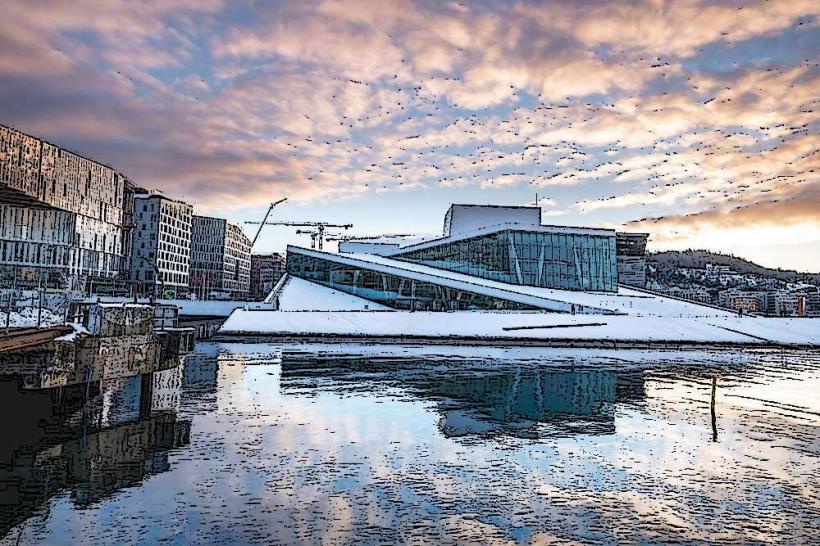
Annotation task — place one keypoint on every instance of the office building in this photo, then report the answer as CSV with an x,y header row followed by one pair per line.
x,y
161,250
220,259
65,220
630,250
812,300
266,270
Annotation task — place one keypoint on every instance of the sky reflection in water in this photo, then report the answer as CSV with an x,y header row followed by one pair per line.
x,y
552,446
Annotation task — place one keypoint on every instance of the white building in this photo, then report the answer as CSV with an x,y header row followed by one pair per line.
x,y
161,244
220,258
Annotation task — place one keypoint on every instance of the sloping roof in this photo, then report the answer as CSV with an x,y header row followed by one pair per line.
x,y
449,279
624,301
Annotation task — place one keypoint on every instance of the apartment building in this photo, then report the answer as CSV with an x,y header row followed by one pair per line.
x,y
220,259
161,249
741,300
780,303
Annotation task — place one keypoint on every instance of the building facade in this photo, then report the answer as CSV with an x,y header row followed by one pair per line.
x,y
161,250
64,219
564,258
812,300
220,259
266,270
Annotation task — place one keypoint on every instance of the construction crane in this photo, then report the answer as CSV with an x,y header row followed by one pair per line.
x,y
314,235
320,227
261,225
338,237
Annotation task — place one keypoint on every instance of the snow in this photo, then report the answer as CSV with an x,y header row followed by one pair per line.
x,y
301,295
78,329
202,308
543,326
27,318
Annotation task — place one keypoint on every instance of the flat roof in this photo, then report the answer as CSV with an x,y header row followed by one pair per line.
x,y
159,196
486,230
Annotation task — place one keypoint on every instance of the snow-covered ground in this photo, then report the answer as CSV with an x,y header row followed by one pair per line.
x,y
519,325
309,309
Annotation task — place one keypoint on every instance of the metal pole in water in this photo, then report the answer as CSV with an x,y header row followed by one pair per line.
x,y
712,407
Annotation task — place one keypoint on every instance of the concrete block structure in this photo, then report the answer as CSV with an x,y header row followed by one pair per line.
x,y
266,270
65,220
161,251
220,259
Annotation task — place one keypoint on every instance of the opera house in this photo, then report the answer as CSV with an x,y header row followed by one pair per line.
x,y
498,275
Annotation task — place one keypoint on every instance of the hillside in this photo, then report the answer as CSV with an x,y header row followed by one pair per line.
x,y
667,262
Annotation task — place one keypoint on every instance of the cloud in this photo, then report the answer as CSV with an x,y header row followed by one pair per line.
x,y
616,108
801,207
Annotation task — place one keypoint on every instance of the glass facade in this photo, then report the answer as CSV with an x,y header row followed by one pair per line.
x,y
392,290
569,261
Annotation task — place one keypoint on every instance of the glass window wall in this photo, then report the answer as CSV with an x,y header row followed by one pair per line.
x,y
569,261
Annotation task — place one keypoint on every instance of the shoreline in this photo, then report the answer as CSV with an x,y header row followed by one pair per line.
x,y
255,337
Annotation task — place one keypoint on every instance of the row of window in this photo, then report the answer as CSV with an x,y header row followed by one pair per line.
x,y
392,290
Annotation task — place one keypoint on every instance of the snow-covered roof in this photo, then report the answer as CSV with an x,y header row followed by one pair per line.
x,y
301,295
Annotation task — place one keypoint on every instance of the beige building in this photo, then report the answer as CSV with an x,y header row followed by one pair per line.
x,y
220,259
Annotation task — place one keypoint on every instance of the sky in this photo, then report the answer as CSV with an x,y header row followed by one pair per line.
x,y
695,121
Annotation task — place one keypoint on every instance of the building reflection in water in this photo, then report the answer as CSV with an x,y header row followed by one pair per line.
x,y
88,440
491,398
517,402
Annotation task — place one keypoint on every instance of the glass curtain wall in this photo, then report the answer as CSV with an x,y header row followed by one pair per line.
x,y
392,290
552,260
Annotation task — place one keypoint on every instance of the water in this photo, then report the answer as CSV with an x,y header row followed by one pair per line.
x,y
248,444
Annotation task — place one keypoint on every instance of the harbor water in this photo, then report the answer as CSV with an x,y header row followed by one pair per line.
x,y
343,444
